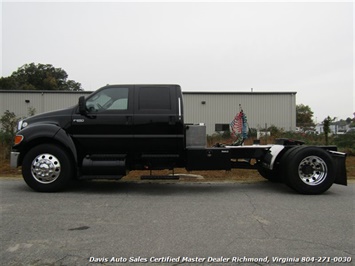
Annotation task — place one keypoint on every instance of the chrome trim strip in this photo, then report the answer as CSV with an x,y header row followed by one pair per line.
x,y
137,136
179,101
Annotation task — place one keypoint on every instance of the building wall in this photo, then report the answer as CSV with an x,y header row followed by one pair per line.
x,y
20,101
262,109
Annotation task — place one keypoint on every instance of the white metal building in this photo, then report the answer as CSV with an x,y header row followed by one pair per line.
x,y
263,109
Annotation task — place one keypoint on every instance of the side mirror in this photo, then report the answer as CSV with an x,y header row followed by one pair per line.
x,y
82,105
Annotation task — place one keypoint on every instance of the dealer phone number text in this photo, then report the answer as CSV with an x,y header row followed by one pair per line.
x,y
326,259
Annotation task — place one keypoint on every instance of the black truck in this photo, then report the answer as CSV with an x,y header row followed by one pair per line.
x,y
119,128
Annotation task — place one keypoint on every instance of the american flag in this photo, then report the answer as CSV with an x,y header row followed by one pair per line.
x,y
238,126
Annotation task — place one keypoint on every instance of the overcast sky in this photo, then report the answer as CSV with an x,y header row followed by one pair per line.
x,y
306,47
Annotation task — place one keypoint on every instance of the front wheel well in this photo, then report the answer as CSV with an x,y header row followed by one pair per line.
x,y
47,167
40,141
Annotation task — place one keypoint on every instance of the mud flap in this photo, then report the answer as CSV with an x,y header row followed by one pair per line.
x,y
340,168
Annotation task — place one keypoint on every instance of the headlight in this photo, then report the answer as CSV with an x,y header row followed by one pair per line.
x,y
21,124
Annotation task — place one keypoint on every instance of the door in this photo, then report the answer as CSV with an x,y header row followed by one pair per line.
x,y
157,124
107,126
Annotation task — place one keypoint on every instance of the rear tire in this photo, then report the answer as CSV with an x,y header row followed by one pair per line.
x,y
271,175
308,170
47,168
283,171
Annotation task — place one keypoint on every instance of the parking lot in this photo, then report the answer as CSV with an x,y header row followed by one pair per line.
x,y
117,223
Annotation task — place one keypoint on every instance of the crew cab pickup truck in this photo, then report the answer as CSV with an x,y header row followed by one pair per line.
x,y
119,128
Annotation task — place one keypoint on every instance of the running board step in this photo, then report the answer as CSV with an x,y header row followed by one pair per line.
x,y
109,177
160,177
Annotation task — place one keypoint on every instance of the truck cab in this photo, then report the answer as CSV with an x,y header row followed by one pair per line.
x,y
135,121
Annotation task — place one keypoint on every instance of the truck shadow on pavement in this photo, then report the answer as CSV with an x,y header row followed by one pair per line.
x,y
157,188
176,188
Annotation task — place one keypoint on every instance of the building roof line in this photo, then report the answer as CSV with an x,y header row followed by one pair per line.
x,y
239,92
43,91
184,92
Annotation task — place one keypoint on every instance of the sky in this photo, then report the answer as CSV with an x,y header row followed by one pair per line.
x,y
304,47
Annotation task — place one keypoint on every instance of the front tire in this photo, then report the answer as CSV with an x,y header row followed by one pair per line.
x,y
309,170
47,168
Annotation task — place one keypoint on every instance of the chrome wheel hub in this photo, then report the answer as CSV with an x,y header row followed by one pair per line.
x,y
45,168
312,170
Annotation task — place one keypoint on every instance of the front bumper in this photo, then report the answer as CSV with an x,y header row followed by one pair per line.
x,y
14,159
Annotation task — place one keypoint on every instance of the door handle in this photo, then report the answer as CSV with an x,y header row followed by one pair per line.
x,y
172,120
129,120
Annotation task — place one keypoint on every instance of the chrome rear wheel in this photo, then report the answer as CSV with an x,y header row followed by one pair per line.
x,y
308,169
312,170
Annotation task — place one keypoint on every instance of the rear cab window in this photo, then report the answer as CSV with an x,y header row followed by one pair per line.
x,y
155,99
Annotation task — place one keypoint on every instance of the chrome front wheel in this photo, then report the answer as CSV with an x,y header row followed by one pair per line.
x,y
46,168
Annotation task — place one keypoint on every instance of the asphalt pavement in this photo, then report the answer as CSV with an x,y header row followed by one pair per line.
x,y
115,223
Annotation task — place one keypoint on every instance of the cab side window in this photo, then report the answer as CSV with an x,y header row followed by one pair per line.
x,y
109,99
154,98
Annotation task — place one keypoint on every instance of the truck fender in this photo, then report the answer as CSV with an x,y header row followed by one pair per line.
x,y
49,131
274,151
66,140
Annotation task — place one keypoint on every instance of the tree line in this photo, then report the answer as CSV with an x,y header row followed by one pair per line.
x,y
304,118
39,77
